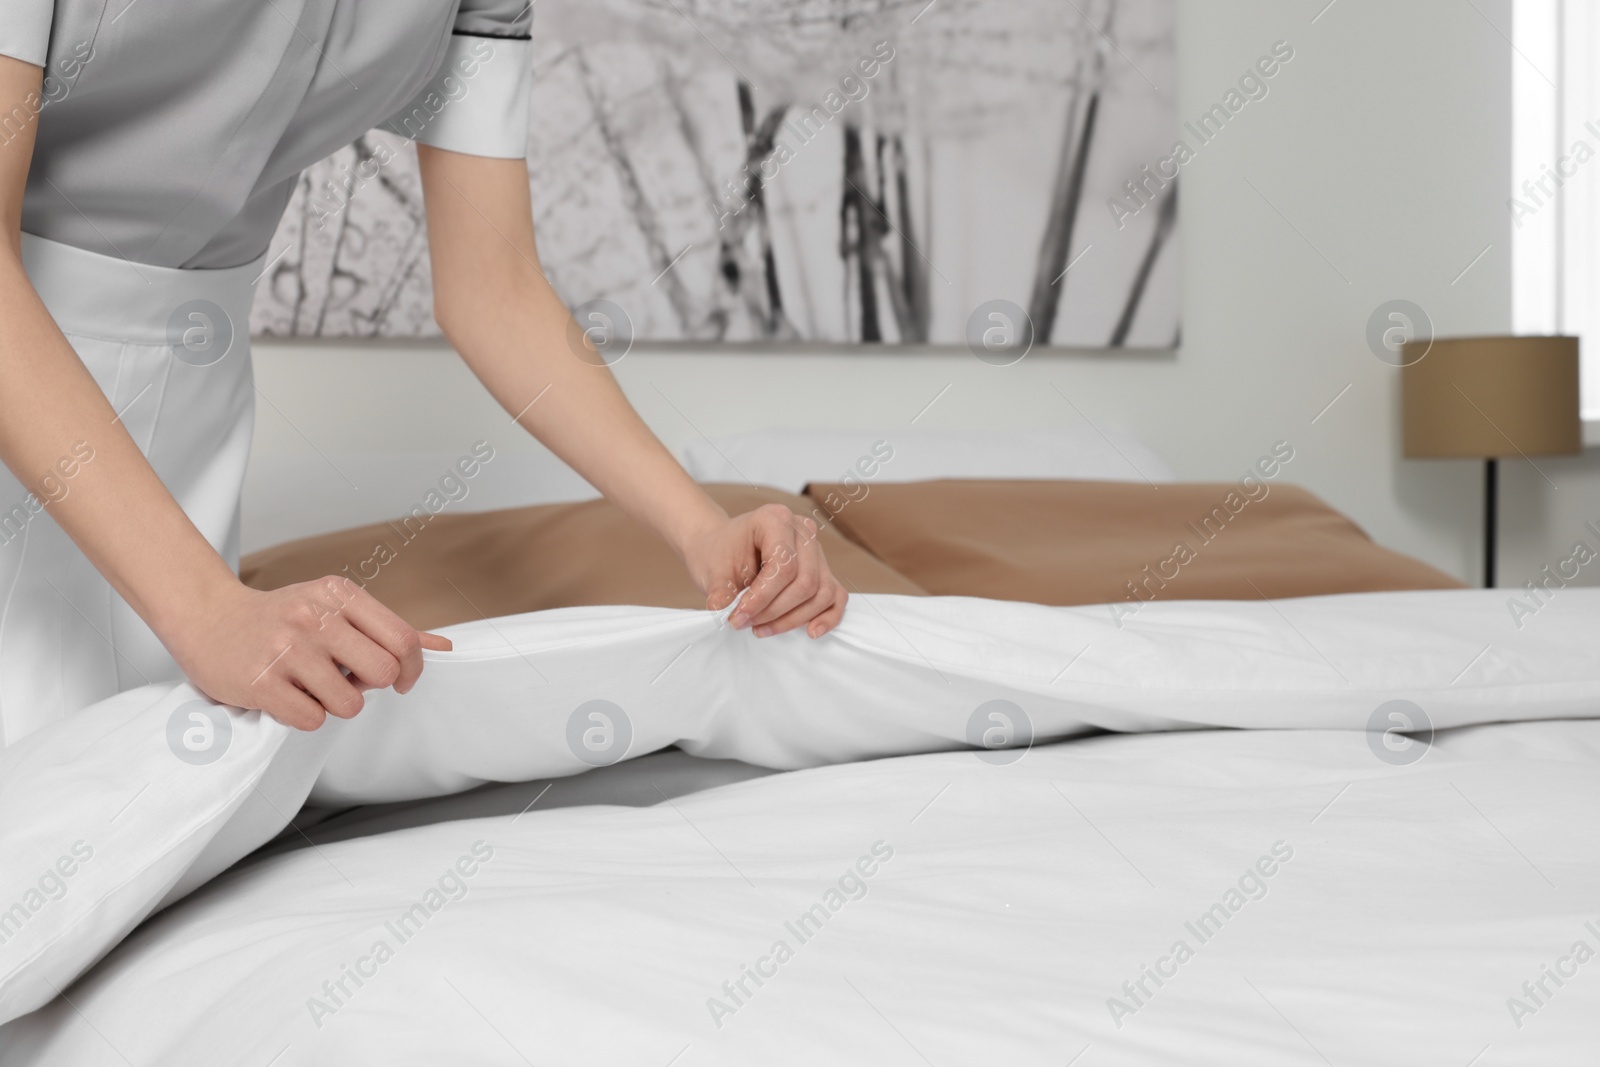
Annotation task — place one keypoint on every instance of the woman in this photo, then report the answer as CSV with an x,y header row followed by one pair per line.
x,y
149,148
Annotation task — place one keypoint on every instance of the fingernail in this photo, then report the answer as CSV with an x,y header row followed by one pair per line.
x,y
738,622
763,631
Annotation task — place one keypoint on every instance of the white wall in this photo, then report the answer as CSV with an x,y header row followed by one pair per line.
x,y
1381,157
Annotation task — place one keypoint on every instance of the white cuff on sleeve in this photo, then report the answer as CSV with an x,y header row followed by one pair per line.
x,y
25,31
478,103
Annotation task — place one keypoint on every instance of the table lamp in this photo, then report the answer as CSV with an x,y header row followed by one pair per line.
x,y
1488,398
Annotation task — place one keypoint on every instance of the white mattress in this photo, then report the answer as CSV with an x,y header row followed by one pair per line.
x,y
1019,898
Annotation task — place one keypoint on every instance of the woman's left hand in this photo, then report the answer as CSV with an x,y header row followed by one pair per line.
x,y
774,553
501,313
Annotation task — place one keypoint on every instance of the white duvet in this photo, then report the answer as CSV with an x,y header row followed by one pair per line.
x,y
1380,897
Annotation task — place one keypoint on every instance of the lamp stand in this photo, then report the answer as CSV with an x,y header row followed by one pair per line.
x,y
1491,512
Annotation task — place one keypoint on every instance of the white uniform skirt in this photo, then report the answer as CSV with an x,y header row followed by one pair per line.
x,y
170,349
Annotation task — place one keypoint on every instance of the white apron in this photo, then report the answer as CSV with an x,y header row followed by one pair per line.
x,y
170,349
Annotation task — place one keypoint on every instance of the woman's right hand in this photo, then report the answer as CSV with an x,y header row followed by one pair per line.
x,y
282,650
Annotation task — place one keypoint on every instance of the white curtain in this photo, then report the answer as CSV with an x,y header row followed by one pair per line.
x,y
1554,199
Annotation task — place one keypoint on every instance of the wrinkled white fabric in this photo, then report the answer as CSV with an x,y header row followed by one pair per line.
x,y
517,700
908,674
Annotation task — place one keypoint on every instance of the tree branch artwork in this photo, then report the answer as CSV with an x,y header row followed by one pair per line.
x,y
798,171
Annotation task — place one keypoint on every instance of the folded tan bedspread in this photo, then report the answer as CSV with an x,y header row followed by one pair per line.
x,y
1081,542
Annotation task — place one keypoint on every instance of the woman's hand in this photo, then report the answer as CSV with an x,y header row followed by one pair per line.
x,y
774,553
282,651
500,312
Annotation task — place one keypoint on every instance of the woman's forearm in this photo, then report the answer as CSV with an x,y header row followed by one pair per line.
x,y
495,305
115,508
515,333
299,653
52,414
519,347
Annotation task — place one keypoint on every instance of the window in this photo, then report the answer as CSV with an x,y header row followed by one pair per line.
x,y
1555,177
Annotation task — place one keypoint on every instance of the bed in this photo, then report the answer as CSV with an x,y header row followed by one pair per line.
x,y
1351,827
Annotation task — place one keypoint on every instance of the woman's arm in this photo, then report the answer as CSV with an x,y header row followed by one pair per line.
x,y
122,517
497,308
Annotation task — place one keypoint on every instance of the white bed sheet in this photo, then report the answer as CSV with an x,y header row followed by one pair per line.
x,y
633,783
902,675
1018,900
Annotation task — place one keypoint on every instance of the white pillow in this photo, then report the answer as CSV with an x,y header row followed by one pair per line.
x,y
789,459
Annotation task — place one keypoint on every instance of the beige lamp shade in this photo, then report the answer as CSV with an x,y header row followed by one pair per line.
x,y
1488,397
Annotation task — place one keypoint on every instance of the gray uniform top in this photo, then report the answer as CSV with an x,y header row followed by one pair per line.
x,y
171,132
